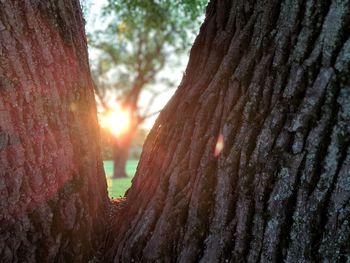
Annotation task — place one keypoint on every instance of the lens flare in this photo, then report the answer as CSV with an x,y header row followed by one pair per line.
x,y
219,145
117,121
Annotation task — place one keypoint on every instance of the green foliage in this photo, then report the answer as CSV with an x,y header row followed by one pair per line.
x,y
141,36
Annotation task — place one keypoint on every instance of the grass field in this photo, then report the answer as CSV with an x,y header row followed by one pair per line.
x,y
117,187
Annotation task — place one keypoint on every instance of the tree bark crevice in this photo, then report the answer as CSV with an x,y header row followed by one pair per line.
x,y
51,180
275,91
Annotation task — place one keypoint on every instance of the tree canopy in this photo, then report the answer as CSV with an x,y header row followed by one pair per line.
x,y
140,39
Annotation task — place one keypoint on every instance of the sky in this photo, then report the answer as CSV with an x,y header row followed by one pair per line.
x,y
174,74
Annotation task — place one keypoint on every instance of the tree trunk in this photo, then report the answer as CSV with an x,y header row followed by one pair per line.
x,y
52,185
271,78
122,146
120,157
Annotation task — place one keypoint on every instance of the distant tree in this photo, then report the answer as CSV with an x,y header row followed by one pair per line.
x,y
140,40
107,143
270,81
54,201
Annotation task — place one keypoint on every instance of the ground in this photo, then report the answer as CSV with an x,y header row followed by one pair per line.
x,y
117,187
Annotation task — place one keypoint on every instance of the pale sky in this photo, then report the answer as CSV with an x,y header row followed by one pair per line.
x,y
174,74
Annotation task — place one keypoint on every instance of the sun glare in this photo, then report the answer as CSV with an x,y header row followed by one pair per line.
x,y
117,121
219,145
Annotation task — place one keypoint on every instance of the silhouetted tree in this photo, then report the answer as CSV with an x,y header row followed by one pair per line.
x,y
53,191
141,39
271,79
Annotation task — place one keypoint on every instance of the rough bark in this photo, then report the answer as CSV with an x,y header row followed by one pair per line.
x,y
52,186
272,78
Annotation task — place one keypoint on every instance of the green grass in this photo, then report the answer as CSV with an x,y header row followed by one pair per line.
x,y
117,187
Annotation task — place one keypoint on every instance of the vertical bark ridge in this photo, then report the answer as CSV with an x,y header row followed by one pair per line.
x,y
273,80
49,134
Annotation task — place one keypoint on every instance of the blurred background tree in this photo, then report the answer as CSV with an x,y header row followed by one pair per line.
x,y
141,44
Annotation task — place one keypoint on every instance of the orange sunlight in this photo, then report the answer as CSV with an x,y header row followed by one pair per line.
x,y
219,145
116,120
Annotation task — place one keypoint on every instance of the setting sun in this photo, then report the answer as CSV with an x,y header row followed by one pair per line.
x,y
116,120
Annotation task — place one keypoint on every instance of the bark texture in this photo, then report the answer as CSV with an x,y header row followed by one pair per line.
x,y
52,185
272,79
